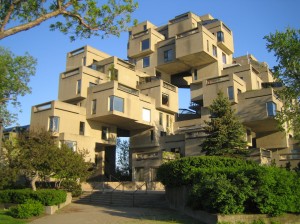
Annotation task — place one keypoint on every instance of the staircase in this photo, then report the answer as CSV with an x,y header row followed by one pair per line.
x,y
154,199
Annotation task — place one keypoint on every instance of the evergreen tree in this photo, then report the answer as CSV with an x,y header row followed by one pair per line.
x,y
226,134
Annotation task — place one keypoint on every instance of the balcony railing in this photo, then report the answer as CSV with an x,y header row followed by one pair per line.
x,y
169,86
128,90
289,156
190,32
216,80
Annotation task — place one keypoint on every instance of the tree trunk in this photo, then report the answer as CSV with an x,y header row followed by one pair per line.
x,y
33,181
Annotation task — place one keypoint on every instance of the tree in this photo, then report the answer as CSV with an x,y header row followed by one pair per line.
x,y
286,48
123,169
226,134
83,18
15,75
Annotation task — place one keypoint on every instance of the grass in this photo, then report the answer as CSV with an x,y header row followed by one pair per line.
x,y
6,219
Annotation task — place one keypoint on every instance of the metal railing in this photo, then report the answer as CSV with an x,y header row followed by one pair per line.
x,y
139,188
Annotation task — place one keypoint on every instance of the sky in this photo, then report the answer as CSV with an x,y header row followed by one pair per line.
x,y
250,21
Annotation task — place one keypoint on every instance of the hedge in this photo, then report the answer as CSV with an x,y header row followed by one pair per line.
x,y
28,209
47,197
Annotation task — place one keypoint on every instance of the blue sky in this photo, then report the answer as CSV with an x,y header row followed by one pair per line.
x,y
250,21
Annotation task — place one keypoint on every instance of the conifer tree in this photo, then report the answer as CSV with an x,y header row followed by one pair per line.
x,y
225,133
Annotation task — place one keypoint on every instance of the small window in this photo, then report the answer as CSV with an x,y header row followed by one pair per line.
x,y
163,133
161,118
207,44
271,109
94,106
168,55
195,74
145,44
84,61
54,124
71,144
146,62
168,121
151,135
146,115
165,99
215,51
220,36
224,58
116,104
105,133
78,87
81,128
145,27
230,93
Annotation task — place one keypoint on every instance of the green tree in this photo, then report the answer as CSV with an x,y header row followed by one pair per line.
x,y
286,48
82,19
15,75
225,133
123,170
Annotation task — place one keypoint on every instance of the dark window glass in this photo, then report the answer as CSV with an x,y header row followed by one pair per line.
x,y
145,44
220,36
271,109
81,128
230,93
116,103
54,124
146,62
168,55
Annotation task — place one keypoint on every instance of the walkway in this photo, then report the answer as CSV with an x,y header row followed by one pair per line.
x,y
88,214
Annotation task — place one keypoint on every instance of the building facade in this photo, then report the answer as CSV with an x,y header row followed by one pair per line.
x,y
102,97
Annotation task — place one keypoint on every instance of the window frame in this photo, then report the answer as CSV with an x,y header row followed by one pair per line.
x,y
146,62
94,106
230,92
271,112
78,86
145,44
115,99
146,114
54,123
81,128
168,55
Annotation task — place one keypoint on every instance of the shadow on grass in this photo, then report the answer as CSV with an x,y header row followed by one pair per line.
x,y
6,219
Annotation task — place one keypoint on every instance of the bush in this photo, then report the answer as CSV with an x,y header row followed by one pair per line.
x,y
72,186
45,196
28,209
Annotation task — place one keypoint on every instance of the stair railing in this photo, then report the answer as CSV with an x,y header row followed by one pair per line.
x,y
139,188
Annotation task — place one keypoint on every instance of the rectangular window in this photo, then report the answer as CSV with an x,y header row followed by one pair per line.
x,y
161,118
139,174
207,44
153,174
165,99
215,51
116,104
71,144
146,115
105,132
146,62
271,109
230,93
81,128
195,74
168,121
78,87
54,124
220,36
224,58
145,44
168,55
94,106
151,135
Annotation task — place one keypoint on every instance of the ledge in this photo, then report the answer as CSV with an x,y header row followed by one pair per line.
x,y
50,210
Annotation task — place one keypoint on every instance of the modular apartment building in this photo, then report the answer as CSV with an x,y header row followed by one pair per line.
x,y
102,97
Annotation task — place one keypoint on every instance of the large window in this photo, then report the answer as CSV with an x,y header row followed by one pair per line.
x,y
230,93
168,55
54,124
146,62
116,104
94,106
220,36
145,44
271,109
81,128
105,133
78,87
146,115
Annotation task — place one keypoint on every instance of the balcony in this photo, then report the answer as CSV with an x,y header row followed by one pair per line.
x,y
192,48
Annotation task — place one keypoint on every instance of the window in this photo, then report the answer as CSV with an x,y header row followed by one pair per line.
x,y
116,104
81,128
94,106
207,44
220,36
78,87
113,74
84,61
91,84
165,99
168,121
54,124
153,174
161,118
230,93
215,51
163,133
146,115
224,58
145,44
105,132
271,109
151,135
139,173
146,62
71,144
195,74
168,55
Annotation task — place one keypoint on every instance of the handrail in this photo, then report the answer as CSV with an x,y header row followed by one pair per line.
x,y
138,188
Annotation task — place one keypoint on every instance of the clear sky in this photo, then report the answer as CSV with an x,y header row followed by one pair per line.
x,y
249,20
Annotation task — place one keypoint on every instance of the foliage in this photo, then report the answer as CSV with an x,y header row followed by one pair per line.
x,y
123,171
286,48
229,186
83,19
226,134
46,196
72,186
15,75
28,209
7,219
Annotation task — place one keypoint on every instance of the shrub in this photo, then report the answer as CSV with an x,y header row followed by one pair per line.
x,y
72,186
28,209
50,197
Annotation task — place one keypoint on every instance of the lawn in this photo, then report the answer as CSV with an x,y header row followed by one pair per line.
x,y
5,219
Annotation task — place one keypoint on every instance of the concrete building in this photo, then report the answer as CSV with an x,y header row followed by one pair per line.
x,y
102,97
